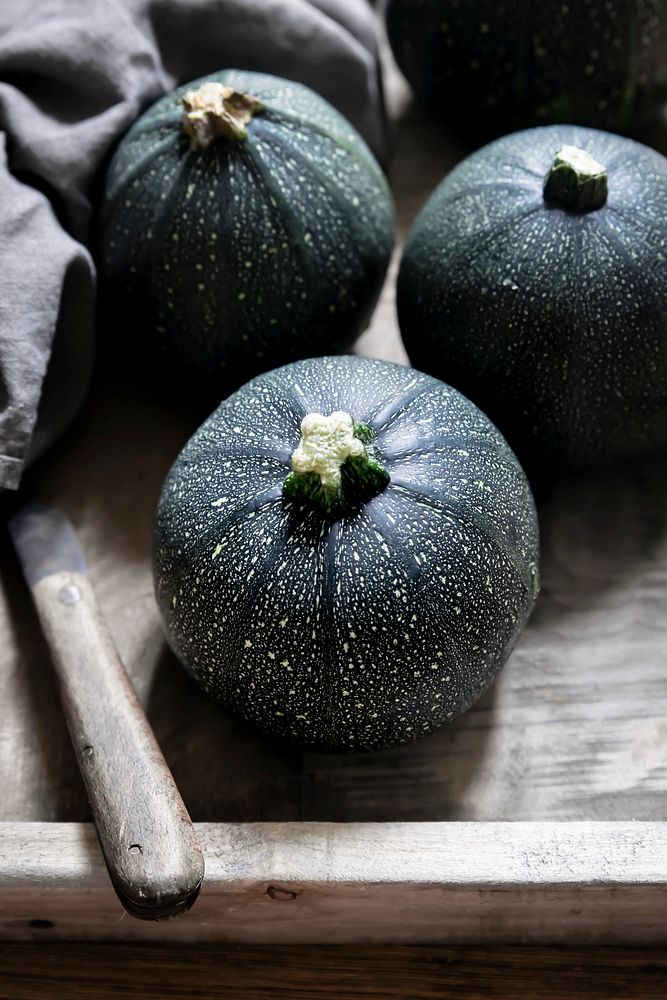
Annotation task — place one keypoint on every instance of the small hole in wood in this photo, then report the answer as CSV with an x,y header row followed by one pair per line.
x,y
40,924
135,848
275,892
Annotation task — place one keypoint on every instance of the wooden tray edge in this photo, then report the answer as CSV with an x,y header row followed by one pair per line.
x,y
272,883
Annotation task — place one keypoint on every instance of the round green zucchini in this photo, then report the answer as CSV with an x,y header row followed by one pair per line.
x,y
245,224
490,67
535,281
345,553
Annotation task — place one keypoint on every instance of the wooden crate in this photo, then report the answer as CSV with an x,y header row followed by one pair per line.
x,y
538,817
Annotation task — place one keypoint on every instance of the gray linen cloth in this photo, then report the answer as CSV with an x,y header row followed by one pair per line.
x,y
74,74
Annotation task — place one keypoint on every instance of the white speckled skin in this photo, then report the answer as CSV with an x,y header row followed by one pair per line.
x,y
357,633
233,259
554,323
493,66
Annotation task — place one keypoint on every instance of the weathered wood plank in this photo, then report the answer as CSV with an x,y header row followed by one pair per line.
x,y
107,971
580,883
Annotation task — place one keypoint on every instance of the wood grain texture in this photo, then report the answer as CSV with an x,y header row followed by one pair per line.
x,y
149,844
102,972
360,883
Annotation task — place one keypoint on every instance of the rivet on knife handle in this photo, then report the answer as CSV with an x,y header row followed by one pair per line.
x,y
149,843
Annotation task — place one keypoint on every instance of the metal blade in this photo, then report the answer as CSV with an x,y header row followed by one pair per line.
x,y
45,542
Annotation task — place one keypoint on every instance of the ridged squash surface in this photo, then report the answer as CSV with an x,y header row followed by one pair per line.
x,y
553,322
351,632
492,66
241,256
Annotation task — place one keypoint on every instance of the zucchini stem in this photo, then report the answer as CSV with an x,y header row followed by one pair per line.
x,y
576,181
214,111
336,464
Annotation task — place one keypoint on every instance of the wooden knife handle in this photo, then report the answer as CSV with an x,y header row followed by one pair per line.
x,y
149,843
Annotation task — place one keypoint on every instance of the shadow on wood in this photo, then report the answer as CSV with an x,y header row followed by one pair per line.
x,y
110,467
225,771
430,779
600,532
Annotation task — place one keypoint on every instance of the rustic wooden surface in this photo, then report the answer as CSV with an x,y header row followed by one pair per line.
x,y
102,972
402,883
575,727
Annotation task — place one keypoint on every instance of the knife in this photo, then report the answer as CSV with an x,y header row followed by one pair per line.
x,y
149,844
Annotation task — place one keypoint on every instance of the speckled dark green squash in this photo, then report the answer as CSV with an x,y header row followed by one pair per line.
x,y
553,319
269,244
492,66
368,625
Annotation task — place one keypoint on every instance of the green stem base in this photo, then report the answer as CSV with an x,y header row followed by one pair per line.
x,y
361,477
